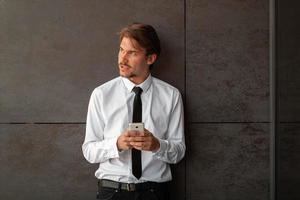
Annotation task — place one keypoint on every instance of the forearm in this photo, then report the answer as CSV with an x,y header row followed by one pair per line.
x,y
100,151
170,151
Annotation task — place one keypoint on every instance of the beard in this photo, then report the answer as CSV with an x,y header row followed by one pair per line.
x,y
130,75
127,74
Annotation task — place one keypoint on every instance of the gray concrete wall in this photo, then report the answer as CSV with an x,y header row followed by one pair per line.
x,y
54,53
288,95
228,100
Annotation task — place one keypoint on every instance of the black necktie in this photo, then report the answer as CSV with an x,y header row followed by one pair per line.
x,y
137,117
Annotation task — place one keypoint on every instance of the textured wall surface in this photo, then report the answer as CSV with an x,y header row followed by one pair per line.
x,y
228,161
44,162
54,53
288,82
228,99
289,161
227,60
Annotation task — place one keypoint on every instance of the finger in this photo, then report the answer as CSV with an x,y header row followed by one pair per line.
x,y
147,133
141,146
127,134
125,139
128,139
142,134
137,139
133,133
136,144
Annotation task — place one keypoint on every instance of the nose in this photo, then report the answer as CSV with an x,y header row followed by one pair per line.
x,y
123,56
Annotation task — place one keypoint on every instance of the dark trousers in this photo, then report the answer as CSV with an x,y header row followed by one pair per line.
x,y
158,192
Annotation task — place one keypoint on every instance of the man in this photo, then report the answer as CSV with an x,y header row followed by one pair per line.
x,y
135,164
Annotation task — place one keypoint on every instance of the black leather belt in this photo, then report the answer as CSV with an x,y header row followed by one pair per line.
x,y
129,186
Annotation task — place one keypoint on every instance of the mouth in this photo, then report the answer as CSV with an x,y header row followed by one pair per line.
x,y
124,66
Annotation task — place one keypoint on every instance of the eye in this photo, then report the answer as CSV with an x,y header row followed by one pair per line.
x,y
132,53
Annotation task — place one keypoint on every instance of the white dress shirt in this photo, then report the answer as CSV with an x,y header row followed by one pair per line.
x,y
110,112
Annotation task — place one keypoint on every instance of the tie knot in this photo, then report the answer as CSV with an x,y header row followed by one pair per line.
x,y
137,90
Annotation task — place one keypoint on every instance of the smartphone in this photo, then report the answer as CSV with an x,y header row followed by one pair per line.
x,y
136,127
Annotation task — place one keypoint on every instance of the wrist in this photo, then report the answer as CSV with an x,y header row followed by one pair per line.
x,y
157,146
118,145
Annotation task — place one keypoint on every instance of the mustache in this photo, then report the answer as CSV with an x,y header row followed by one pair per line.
x,y
124,64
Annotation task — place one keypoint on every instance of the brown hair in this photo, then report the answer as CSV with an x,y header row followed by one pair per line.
x,y
145,35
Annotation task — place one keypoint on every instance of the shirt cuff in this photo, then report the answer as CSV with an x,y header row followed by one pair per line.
x,y
162,148
113,151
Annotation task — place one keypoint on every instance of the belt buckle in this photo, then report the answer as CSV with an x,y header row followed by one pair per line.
x,y
130,187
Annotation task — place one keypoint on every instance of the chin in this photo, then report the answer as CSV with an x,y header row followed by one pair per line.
x,y
126,75
123,75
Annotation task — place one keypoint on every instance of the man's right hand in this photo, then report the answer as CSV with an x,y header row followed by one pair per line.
x,y
123,142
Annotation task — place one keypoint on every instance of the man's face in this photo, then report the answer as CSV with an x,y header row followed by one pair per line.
x,y
133,62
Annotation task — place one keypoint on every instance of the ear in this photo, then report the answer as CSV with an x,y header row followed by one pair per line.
x,y
151,59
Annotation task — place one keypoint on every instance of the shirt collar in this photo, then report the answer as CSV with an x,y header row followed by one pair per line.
x,y
144,85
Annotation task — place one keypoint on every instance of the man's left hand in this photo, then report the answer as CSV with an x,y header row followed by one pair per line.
x,y
144,141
